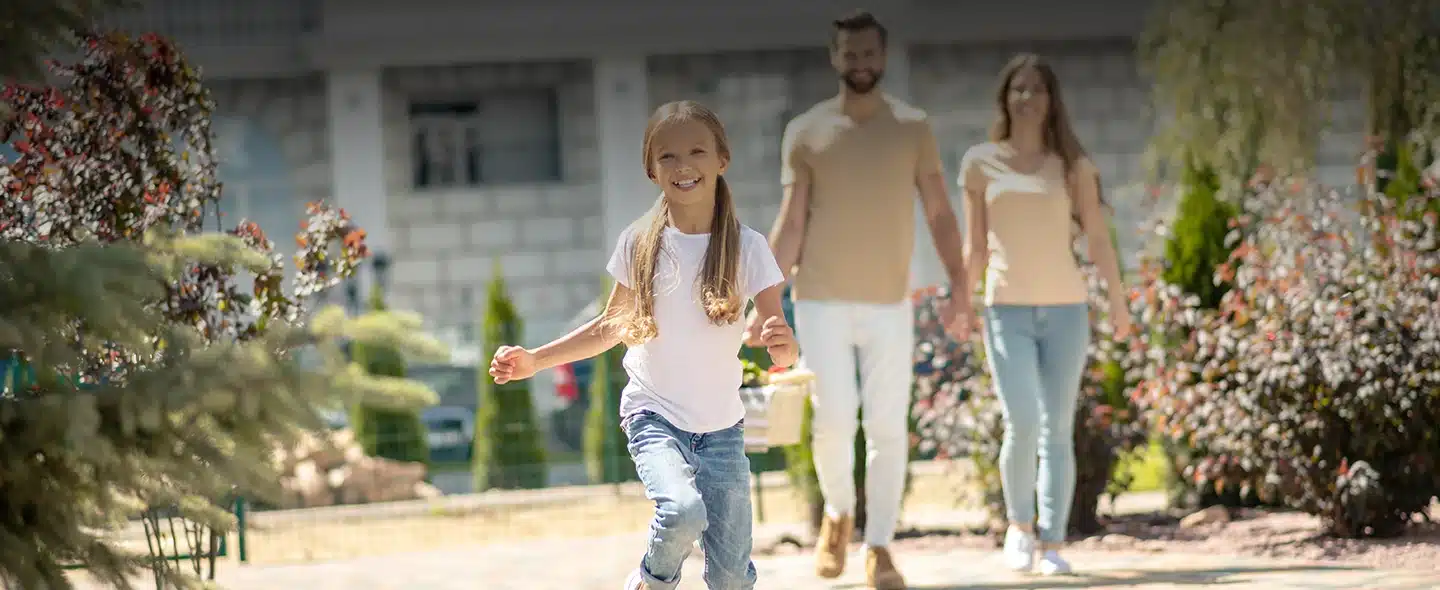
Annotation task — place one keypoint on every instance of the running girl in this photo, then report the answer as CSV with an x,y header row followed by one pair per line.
x,y
684,273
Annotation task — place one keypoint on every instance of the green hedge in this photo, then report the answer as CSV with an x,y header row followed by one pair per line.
x,y
509,450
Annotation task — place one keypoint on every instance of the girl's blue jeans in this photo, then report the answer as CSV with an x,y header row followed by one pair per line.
x,y
700,484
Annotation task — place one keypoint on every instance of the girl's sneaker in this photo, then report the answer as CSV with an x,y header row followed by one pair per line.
x,y
635,582
1019,550
1051,564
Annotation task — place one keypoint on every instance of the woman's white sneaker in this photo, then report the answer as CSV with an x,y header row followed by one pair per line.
x,y
1051,564
1019,549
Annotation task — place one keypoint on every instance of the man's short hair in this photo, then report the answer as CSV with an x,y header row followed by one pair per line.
x,y
856,22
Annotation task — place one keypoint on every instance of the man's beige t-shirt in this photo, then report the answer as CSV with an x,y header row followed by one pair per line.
x,y
860,233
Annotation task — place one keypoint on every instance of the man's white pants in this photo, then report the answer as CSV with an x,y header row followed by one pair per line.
x,y
836,339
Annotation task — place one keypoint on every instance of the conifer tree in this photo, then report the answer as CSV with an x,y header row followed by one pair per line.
x,y
152,364
606,458
509,450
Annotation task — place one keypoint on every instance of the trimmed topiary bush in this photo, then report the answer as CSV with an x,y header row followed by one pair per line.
x,y
509,451
397,434
1317,380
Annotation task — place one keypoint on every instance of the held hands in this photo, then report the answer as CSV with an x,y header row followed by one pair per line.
x,y
1121,328
958,317
779,340
512,363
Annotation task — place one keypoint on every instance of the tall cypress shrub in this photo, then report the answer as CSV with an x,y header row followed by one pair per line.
x,y
509,450
1196,246
607,459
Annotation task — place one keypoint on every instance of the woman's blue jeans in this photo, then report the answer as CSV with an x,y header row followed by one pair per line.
x,y
1037,355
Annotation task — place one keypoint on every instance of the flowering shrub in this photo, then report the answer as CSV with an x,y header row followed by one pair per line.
x,y
121,145
957,413
1317,380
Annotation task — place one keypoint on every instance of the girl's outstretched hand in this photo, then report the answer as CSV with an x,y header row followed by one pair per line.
x,y
512,363
779,340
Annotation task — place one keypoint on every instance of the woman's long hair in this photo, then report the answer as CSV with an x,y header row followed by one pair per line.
x,y
1058,134
719,286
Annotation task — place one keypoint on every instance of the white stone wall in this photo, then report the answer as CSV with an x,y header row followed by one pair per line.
x,y
546,236
292,112
755,94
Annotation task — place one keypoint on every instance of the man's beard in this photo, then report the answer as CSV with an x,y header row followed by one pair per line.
x,y
862,87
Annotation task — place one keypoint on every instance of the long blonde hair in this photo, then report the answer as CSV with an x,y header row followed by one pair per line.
x,y
1059,133
719,287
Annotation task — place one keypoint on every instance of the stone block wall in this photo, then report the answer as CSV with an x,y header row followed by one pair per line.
x,y
546,237
755,94
287,115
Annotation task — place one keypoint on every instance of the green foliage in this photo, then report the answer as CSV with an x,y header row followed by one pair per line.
x,y
1240,83
1400,176
383,432
83,456
153,367
1196,245
607,458
1316,383
32,30
509,451
1195,249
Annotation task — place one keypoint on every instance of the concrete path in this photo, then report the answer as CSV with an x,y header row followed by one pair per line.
x,y
601,564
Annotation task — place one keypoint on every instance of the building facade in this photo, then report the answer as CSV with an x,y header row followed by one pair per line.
x,y
475,138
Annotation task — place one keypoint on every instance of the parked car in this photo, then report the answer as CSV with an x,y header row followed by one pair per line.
x,y
450,425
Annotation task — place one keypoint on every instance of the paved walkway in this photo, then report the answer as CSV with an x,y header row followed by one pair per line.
x,y
601,564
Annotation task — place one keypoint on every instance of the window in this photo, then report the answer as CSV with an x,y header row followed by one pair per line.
x,y
503,137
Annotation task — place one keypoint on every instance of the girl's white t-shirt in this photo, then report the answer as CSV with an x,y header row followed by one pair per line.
x,y
690,372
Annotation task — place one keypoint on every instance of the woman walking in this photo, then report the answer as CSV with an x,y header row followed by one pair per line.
x,y
1025,192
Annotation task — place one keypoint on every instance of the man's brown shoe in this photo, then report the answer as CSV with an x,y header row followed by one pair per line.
x,y
880,570
830,547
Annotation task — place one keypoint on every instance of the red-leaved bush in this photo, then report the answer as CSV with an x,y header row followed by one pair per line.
x,y
1317,381
120,144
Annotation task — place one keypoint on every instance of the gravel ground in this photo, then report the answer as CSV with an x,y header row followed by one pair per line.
x,y
1250,533
1285,535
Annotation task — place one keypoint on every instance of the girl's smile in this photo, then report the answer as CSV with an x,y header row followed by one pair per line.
x,y
685,162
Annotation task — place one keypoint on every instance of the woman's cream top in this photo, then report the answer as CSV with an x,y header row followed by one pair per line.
x,y
1031,232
